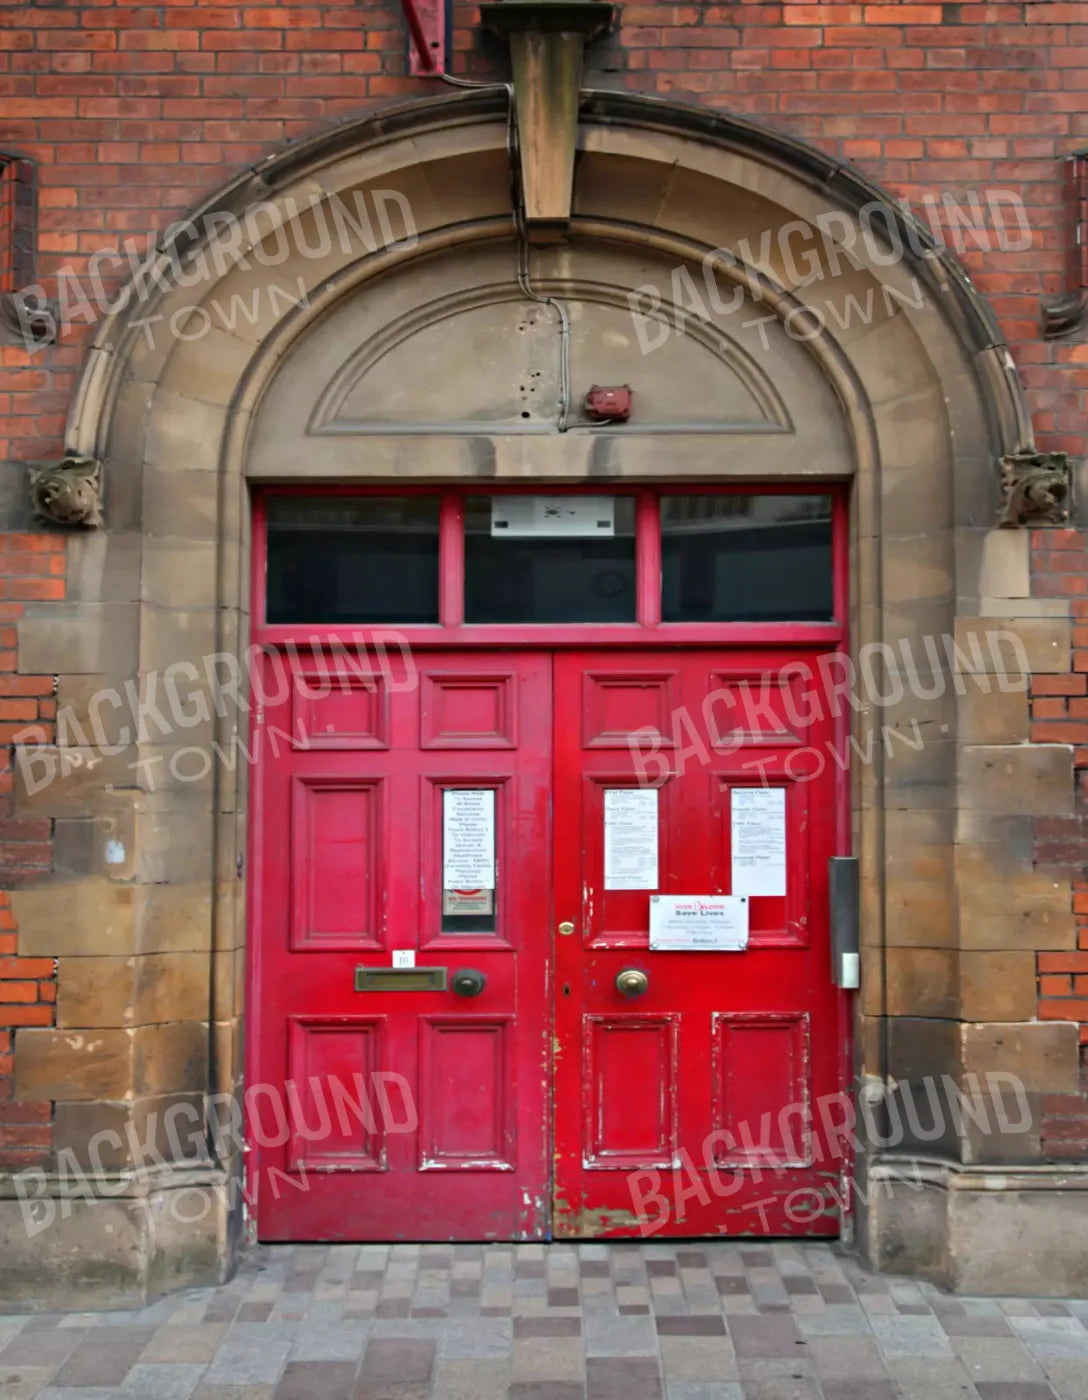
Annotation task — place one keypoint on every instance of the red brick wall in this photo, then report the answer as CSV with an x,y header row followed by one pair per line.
x,y
32,566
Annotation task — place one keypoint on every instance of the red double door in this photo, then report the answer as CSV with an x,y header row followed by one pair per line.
x,y
458,1027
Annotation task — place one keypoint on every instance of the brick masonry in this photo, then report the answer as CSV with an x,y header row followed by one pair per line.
x,y
131,114
32,566
1059,715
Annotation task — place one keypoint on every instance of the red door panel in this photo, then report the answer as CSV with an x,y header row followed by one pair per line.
x,y
688,1110
398,1114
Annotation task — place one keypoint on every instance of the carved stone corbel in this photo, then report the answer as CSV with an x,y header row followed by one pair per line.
x,y
1035,489
27,320
547,41
69,491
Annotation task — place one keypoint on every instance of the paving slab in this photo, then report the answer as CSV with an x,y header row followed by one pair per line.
x,y
700,1320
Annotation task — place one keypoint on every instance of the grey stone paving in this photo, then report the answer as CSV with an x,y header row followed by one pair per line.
x,y
650,1321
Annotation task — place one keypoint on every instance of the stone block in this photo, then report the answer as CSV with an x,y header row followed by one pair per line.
x,y
920,1048
919,912
923,1058
997,986
1013,646
173,918
69,782
94,992
1002,1122
170,1058
116,1252
78,638
81,917
180,574
989,1234
1035,780
184,434
1004,903
917,567
169,635
181,503
94,711
174,846
1004,566
85,847
1043,1055
1013,836
905,1228
193,1243
90,1250
1000,717
922,982
114,1136
170,987
73,1064
1023,1243
103,567
94,1133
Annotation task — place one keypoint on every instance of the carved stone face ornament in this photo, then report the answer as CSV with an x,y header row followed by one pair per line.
x,y
68,492
1035,488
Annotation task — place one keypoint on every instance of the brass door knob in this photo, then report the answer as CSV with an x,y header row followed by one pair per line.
x,y
632,982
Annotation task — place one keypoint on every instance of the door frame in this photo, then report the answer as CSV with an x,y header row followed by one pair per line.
x,y
648,632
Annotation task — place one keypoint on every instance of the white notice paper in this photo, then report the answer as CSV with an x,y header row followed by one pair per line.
x,y
758,821
468,839
630,839
698,923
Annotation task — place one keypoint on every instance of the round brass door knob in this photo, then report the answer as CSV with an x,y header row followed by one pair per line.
x,y
632,982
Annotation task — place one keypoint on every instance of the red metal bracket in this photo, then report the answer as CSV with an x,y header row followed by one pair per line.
x,y
426,20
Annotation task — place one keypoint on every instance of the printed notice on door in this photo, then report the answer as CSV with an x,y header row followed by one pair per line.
x,y
468,839
630,839
758,831
691,923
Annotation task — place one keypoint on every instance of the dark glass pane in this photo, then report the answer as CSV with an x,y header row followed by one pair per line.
x,y
352,559
519,567
746,559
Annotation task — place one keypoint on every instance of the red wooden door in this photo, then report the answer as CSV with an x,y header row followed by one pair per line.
x,y
699,1106
388,1114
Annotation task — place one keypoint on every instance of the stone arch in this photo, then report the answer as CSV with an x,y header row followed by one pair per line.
x,y
841,343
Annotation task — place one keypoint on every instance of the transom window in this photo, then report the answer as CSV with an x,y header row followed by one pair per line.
x,y
530,559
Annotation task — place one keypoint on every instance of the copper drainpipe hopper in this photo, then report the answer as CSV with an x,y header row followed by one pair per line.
x,y
547,40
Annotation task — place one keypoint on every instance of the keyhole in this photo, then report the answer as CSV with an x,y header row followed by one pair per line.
x,y
566,989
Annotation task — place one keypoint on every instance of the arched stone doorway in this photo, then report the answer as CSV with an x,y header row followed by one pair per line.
x,y
830,342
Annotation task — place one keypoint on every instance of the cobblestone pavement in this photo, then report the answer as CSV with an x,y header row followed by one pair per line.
x,y
701,1321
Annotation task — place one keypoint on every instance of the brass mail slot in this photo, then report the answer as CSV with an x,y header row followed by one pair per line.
x,y
400,979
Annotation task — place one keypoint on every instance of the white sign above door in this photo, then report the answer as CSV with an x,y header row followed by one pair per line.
x,y
553,516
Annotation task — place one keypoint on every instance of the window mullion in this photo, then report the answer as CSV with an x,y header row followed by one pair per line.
x,y
648,560
451,560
